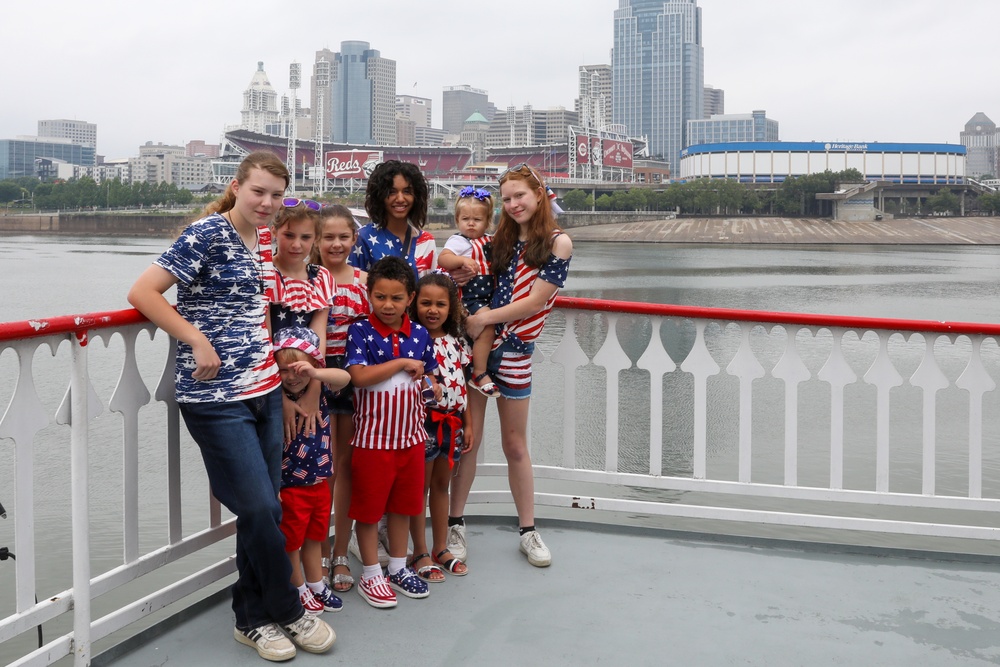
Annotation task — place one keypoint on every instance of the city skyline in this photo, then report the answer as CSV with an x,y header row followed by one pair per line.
x,y
896,71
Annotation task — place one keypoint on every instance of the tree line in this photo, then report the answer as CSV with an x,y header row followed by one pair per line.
x,y
794,196
86,193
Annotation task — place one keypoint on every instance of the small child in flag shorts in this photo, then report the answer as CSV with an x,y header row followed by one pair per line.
x,y
306,464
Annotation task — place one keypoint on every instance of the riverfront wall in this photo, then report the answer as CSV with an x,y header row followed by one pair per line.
x,y
170,225
615,227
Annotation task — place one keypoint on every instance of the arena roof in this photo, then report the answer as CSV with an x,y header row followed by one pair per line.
x,y
822,147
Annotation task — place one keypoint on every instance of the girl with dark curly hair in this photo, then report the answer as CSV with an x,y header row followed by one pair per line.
x,y
396,202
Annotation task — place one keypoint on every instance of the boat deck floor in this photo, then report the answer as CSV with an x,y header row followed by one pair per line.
x,y
618,595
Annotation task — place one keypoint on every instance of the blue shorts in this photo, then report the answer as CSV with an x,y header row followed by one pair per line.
x,y
511,370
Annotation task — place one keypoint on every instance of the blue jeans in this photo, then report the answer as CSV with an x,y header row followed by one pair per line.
x,y
241,444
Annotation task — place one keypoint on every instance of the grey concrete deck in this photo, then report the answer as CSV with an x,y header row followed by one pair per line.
x,y
634,596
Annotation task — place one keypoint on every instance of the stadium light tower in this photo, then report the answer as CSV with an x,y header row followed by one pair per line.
x,y
323,88
294,81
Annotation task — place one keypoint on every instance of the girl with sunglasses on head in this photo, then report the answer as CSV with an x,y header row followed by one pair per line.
x,y
531,258
302,298
227,387
396,202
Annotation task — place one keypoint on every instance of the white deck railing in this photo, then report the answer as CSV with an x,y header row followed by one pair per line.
x,y
768,418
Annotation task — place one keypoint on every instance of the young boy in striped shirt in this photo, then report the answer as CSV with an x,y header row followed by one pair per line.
x,y
389,359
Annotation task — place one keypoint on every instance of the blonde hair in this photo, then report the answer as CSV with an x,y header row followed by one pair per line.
x,y
472,201
287,355
265,160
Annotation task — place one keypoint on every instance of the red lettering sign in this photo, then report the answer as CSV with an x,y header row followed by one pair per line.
x,y
617,153
351,164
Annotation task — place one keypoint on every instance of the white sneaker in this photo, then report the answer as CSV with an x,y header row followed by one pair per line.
x,y
311,634
270,642
355,550
456,543
536,551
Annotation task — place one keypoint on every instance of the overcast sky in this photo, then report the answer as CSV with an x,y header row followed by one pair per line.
x,y
845,70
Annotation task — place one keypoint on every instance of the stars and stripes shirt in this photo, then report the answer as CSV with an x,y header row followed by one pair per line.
x,y
307,459
349,304
295,300
454,357
389,414
515,283
223,289
374,243
479,290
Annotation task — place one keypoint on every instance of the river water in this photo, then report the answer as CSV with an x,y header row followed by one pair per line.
x,y
55,275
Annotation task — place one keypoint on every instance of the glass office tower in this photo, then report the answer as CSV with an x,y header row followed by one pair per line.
x,y
658,72
363,96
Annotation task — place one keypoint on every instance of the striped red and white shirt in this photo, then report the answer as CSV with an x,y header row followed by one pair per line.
x,y
515,283
348,304
389,414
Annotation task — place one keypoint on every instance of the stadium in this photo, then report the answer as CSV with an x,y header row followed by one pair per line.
x,y
774,161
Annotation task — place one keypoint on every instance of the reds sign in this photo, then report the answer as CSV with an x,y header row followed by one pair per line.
x,y
617,153
351,164
582,149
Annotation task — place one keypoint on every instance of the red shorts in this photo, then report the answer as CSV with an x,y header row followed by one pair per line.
x,y
386,480
305,514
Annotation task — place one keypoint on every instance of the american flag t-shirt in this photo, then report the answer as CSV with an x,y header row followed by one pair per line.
x,y
223,289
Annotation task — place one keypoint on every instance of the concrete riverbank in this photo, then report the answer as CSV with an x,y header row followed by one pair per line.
x,y
735,230
904,231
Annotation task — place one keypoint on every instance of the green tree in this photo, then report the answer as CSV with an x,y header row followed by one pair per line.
x,y
604,203
576,200
945,201
731,195
439,203
9,191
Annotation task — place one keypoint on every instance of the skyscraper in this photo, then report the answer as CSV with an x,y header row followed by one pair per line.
x,y
362,96
460,102
658,72
594,103
260,103
417,109
319,93
980,139
80,132
715,102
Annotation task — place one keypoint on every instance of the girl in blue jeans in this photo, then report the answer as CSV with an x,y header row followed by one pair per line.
x,y
228,390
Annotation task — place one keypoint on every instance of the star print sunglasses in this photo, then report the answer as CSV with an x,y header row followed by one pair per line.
x,y
292,202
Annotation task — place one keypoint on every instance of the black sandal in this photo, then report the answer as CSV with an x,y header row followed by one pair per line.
x,y
451,563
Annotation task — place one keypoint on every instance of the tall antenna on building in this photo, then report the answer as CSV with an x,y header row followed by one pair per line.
x,y
294,81
322,86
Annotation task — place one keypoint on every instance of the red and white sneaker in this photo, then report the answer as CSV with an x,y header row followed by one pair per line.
x,y
376,592
310,603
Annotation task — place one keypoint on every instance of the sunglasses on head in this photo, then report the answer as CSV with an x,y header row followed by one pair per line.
x,y
519,169
292,202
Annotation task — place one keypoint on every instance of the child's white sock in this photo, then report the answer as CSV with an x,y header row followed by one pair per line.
x,y
302,589
371,571
396,564
316,586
